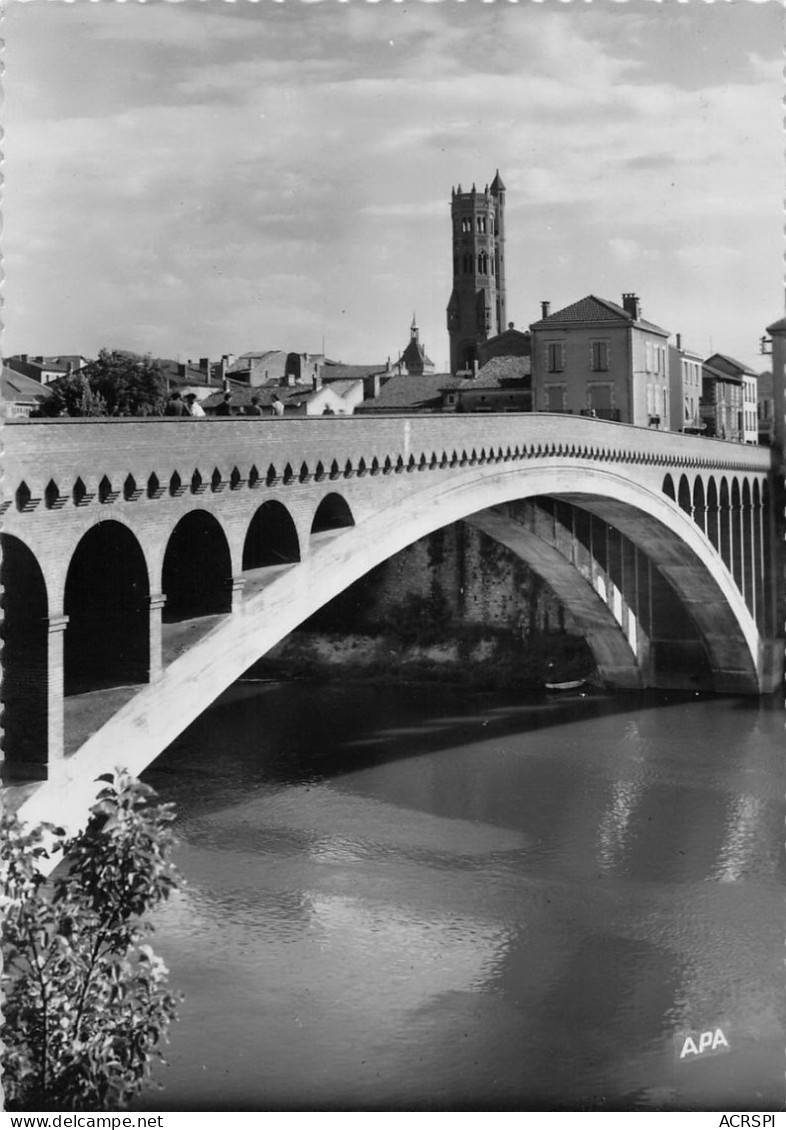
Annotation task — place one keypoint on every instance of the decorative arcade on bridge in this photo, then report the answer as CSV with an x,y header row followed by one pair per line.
x,y
148,563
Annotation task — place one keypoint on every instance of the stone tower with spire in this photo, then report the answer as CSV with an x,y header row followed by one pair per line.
x,y
476,310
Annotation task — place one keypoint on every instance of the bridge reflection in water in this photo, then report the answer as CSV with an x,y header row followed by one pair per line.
x,y
158,559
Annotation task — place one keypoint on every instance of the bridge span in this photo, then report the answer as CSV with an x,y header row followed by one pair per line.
x,y
148,563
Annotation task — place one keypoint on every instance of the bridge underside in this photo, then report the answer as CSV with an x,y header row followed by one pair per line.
x,y
665,625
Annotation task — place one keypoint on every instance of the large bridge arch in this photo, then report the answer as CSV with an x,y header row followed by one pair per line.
x,y
650,520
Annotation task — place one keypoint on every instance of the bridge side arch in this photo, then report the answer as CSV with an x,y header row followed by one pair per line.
x,y
271,538
106,600
196,574
25,657
332,513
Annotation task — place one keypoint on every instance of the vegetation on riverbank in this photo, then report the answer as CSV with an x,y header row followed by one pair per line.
x,y
420,643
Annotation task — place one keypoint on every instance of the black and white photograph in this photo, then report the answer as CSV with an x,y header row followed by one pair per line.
x,y
393,564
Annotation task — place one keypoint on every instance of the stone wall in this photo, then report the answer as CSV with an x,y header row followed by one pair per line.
x,y
477,582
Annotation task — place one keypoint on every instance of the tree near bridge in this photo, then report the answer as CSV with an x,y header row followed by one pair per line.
x,y
72,395
117,383
129,384
86,1001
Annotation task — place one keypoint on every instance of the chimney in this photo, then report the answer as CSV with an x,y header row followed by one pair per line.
x,y
631,305
182,369
371,386
23,357
475,368
545,309
679,341
316,382
69,368
204,368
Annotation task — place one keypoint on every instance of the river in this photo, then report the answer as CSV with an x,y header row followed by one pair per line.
x,y
420,898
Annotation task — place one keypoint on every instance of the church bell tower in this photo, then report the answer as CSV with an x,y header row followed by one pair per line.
x,y
476,310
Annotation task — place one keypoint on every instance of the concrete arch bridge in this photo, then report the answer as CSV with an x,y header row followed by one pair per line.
x,y
148,563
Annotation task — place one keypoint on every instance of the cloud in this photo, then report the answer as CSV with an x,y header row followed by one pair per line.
x,y
204,157
624,250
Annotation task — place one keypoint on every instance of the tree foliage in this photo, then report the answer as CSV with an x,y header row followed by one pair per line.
x,y
130,385
86,1001
72,395
115,384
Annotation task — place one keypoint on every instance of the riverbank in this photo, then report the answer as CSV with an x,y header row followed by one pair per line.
x,y
475,658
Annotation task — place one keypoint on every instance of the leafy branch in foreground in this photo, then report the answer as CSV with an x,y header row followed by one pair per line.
x,y
86,1003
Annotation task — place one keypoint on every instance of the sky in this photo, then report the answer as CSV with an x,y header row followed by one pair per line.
x,y
199,178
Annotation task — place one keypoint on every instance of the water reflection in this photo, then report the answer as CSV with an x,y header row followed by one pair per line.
x,y
404,899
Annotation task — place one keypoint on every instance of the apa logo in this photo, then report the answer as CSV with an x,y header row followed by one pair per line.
x,y
695,1045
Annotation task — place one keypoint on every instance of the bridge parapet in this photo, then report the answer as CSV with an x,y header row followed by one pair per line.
x,y
84,461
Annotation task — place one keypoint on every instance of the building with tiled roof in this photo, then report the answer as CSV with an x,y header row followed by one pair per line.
x,y
509,343
503,384
299,399
414,358
403,394
765,406
597,358
748,378
722,403
685,379
46,369
20,395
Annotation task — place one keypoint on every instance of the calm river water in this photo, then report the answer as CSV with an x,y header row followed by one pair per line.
x,y
428,899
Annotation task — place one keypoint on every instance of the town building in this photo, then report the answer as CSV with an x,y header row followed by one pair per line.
x,y
503,384
746,429
477,307
765,407
509,343
403,395
20,396
257,368
600,359
46,369
721,403
336,398
686,389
